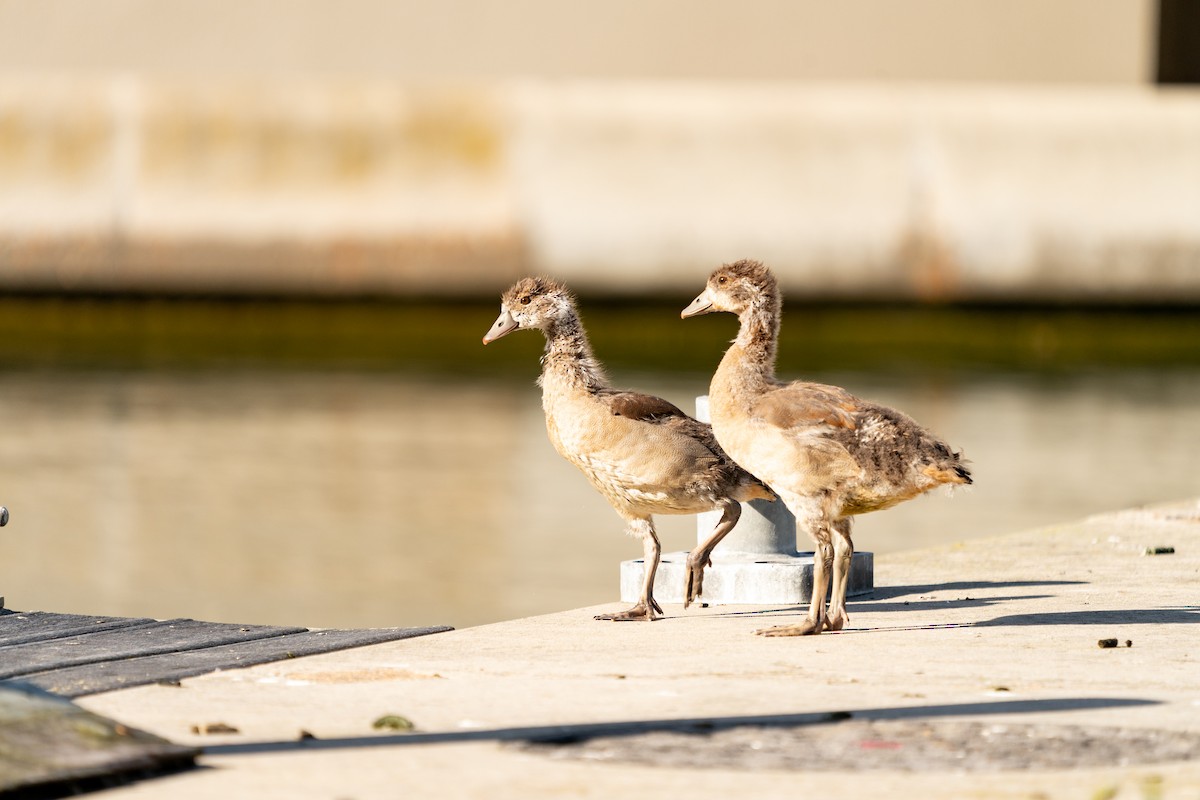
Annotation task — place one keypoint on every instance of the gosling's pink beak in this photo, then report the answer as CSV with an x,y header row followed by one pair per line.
x,y
701,305
504,325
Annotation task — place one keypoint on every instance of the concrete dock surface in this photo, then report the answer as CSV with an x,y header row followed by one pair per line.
x,y
991,641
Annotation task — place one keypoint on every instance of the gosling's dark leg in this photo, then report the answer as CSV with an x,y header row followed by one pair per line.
x,y
701,557
647,608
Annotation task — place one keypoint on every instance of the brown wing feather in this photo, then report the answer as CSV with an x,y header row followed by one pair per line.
x,y
656,411
803,405
644,407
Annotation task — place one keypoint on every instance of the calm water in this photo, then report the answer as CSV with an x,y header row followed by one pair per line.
x,y
376,499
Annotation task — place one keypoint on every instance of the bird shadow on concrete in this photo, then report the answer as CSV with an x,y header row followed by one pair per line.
x,y
870,600
892,592
573,733
1123,616
869,603
1146,616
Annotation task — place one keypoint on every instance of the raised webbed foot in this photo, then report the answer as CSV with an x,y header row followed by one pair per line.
x,y
693,585
806,628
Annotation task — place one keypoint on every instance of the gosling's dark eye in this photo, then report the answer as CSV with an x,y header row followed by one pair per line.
x,y
525,300
722,279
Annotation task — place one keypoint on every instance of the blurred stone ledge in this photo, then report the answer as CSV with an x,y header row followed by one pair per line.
x,y
433,265
921,192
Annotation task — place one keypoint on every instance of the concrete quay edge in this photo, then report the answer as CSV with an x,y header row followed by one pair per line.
x,y
1002,630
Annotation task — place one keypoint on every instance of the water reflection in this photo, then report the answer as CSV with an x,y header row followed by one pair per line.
x,y
360,500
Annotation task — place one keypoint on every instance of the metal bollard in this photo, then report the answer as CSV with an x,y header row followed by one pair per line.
x,y
757,563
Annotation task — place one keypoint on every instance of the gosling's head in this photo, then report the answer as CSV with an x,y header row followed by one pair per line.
x,y
540,303
735,287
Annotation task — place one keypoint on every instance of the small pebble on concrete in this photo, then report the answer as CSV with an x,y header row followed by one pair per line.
x,y
1106,643
393,722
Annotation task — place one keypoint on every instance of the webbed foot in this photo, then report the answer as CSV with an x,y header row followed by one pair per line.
x,y
835,622
642,610
806,628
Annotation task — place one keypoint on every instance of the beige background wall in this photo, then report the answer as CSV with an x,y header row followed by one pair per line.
x,y
1035,41
929,149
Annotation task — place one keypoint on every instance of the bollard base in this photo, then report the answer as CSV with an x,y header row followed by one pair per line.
x,y
749,579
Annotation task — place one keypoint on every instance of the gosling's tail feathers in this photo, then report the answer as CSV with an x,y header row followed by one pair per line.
x,y
949,473
754,489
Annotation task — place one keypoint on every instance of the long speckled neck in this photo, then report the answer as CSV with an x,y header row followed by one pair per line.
x,y
749,365
758,335
568,362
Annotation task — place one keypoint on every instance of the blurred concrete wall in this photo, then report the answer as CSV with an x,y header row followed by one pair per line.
x,y
626,187
131,184
1025,41
928,193
954,149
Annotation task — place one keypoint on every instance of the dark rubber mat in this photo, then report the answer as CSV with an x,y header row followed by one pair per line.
x,y
74,655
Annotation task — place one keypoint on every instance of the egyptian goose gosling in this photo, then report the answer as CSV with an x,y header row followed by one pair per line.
x,y
827,454
641,452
